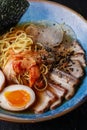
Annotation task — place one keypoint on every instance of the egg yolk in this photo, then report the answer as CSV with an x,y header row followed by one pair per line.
x,y
17,98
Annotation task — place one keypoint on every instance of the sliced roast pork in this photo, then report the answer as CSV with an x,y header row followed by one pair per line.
x,y
43,102
59,93
79,57
73,46
75,69
40,33
76,47
65,80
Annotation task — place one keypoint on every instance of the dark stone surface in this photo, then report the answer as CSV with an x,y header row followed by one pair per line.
x,y
75,120
78,5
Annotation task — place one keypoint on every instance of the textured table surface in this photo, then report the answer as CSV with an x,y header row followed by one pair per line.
x,y
75,120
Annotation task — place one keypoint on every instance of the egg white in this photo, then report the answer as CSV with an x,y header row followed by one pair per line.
x,y
4,103
2,80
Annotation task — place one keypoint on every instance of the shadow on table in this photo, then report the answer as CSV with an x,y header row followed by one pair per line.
x,y
78,5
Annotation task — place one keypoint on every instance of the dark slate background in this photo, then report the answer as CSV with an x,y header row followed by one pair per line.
x,y
75,120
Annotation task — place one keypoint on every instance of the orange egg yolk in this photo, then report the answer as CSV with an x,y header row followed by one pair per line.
x,y
17,98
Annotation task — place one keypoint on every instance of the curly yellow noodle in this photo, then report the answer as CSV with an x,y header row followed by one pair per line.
x,y
44,69
42,89
19,41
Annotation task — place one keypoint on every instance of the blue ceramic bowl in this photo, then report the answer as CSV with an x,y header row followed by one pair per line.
x,y
51,11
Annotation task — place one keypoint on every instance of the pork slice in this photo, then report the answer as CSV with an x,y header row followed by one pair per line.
x,y
80,57
32,30
75,69
76,47
58,92
66,81
43,102
40,34
55,35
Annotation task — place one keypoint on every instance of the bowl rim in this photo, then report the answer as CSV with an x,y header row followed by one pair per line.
x,y
9,118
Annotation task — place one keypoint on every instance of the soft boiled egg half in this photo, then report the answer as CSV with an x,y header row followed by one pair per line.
x,y
17,97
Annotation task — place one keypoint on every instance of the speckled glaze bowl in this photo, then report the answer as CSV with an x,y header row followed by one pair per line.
x,y
51,11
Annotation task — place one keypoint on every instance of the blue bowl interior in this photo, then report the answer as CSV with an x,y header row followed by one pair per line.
x,y
39,11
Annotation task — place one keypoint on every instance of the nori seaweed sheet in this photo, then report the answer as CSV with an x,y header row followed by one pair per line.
x,y
11,12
